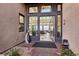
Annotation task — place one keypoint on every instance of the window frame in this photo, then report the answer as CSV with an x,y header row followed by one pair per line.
x,y
22,23
53,12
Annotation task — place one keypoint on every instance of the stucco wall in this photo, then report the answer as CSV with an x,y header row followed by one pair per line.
x,y
71,27
9,25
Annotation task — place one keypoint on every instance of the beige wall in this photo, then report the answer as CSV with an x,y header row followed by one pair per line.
x,y
9,33
9,23
71,27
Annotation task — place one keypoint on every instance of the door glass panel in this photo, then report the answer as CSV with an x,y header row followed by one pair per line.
x,y
33,25
46,28
45,9
47,23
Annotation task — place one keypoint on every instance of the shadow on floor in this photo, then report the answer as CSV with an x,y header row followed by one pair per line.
x,y
45,44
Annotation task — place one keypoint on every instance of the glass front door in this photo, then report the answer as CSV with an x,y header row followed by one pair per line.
x,y
45,28
44,22
33,28
47,25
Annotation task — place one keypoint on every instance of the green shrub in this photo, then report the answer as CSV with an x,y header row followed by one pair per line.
x,y
66,52
13,52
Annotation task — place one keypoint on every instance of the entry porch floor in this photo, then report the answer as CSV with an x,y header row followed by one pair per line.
x,y
39,49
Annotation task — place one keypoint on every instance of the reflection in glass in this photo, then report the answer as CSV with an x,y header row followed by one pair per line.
x,y
46,8
21,20
33,9
58,7
21,23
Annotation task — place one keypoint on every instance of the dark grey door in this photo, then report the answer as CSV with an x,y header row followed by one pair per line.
x,y
47,28
34,28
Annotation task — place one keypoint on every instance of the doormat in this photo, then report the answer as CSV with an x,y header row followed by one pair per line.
x,y
45,44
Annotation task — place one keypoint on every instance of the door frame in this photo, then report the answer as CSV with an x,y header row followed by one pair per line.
x,y
53,13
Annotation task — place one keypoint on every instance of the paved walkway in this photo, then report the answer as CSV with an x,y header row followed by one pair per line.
x,y
39,51
44,52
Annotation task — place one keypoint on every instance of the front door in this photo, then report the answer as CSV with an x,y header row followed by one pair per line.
x,y
43,28
33,28
47,26
44,22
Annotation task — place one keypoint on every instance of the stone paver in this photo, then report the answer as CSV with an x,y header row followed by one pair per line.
x,y
44,52
30,50
24,51
38,51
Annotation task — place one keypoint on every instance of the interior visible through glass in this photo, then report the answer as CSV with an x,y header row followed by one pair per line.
x,y
47,28
42,25
33,25
59,25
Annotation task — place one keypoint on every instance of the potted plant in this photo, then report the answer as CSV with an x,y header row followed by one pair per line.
x,y
33,30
